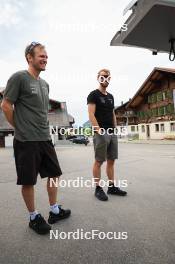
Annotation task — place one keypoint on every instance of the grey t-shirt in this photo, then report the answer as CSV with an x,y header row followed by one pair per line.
x,y
31,102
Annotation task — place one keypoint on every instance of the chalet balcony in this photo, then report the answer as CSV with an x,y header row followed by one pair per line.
x,y
130,113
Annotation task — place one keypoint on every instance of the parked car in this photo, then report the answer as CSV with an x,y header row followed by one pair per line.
x,y
70,137
80,140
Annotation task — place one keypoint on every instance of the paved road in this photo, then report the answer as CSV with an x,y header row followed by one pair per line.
x,y
147,214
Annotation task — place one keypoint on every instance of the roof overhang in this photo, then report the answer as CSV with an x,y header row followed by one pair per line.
x,y
156,75
151,25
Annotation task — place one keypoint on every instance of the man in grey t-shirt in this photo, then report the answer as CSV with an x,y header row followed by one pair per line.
x,y
25,105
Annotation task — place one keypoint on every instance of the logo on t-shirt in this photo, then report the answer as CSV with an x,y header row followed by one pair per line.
x,y
103,101
45,90
34,89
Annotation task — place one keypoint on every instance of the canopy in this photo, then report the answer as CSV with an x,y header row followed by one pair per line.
x,y
151,25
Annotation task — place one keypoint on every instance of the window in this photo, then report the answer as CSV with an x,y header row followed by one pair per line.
x,y
137,128
162,127
172,127
142,114
143,129
170,109
169,94
154,112
164,95
149,99
132,128
159,96
153,98
149,113
157,127
162,111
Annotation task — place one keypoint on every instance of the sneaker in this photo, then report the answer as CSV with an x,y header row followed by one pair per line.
x,y
53,218
116,191
100,194
39,225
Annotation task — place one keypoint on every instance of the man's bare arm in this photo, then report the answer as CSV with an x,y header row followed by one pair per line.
x,y
114,119
7,108
92,118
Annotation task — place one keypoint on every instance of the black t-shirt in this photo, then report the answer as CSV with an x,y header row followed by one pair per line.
x,y
104,108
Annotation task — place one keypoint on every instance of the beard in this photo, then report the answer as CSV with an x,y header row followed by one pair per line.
x,y
104,85
38,67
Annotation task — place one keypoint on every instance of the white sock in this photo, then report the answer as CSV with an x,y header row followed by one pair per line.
x,y
33,215
55,209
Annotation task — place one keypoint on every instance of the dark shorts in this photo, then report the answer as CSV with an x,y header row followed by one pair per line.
x,y
105,147
33,157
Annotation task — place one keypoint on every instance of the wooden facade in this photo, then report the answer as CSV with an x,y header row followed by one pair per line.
x,y
154,101
153,106
125,116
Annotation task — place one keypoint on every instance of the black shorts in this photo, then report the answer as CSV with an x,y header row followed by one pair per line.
x,y
33,157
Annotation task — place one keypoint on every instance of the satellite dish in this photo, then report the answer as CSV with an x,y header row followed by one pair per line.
x,y
151,25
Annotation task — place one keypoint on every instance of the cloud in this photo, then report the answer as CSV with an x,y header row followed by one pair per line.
x,y
10,12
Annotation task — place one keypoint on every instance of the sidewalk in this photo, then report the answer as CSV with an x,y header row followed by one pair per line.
x,y
150,141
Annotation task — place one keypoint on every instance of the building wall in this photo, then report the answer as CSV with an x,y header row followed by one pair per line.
x,y
4,125
141,132
167,133
128,131
59,117
133,129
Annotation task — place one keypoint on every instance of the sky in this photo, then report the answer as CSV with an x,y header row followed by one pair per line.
x,y
77,37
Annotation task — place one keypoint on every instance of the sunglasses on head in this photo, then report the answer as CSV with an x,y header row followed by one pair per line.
x,y
32,45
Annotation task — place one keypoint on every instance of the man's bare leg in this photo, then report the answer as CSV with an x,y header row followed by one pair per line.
x,y
28,196
99,193
35,218
110,170
97,171
52,190
112,189
56,213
